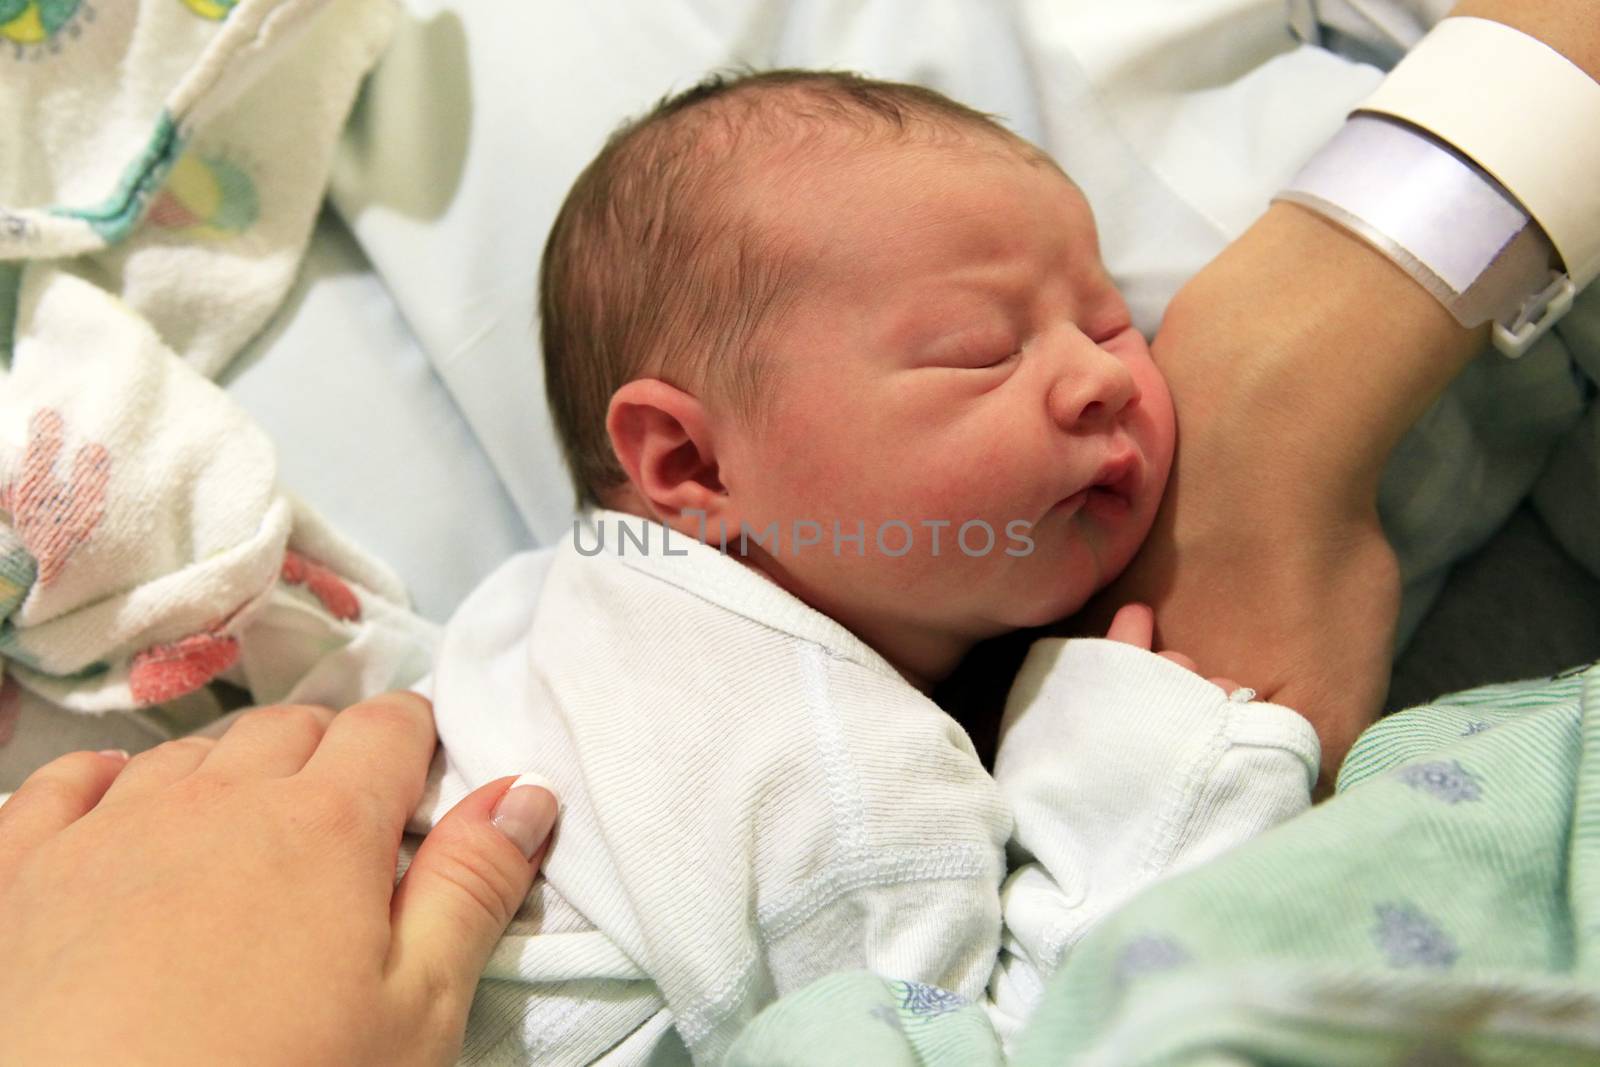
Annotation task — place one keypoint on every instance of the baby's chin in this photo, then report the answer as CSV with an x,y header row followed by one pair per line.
x,y
1025,616
1035,603
1083,575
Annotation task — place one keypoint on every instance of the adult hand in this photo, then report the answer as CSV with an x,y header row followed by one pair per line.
x,y
234,901
1305,611
1292,386
1297,359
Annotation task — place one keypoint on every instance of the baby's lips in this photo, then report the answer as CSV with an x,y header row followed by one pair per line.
x,y
1073,502
1120,474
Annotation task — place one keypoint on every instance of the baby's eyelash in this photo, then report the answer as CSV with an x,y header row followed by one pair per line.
x,y
998,362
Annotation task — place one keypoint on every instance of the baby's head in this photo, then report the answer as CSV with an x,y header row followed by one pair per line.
x,y
829,303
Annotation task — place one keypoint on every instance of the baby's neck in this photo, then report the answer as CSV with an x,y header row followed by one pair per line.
x,y
922,655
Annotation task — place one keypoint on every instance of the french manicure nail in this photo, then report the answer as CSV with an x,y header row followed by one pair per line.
x,y
526,813
114,753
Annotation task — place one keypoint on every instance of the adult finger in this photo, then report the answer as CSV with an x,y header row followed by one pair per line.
x,y
269,742
51,799
156,768
467,881
1133,624
382,747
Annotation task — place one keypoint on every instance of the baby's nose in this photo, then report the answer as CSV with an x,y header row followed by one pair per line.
x,y
1092,389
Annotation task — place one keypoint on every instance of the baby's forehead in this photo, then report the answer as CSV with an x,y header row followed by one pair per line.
x,y
893,198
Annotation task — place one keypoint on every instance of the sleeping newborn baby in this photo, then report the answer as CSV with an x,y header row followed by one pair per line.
x,y
845,389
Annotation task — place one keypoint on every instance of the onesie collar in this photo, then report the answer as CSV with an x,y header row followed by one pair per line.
x,y
652,548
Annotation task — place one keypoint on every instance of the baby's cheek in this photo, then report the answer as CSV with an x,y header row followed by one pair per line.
x,y
946,487
1155,395
995,470
1156,422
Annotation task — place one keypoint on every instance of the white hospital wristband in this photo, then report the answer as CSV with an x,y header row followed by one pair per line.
x,y
1517,117
1440,219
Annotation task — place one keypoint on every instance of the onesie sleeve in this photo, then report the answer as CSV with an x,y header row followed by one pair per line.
x,y
1121,768
895,857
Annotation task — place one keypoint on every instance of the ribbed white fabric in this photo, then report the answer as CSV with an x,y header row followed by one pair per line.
x,y
1121,768
753,797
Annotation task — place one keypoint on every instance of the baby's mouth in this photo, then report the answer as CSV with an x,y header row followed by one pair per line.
x,y
1120,476
1111,490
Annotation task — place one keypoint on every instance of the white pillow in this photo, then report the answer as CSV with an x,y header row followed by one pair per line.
x,y
366,433
461,148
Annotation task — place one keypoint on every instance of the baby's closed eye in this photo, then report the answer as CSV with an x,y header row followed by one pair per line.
x,y
977,351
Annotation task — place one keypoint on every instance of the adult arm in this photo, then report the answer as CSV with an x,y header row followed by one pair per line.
x,y
234,901
1297,360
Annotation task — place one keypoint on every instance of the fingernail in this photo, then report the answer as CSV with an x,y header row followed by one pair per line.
x,y
526,812
114,753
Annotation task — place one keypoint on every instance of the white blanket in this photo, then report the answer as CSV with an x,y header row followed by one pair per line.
x,y
161,165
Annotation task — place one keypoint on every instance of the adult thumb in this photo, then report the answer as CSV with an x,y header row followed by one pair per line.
x,y
468,879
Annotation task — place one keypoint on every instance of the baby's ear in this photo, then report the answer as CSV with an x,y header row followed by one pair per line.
x,y
663,439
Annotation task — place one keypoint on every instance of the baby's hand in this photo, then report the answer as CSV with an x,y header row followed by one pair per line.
x,y
1135,624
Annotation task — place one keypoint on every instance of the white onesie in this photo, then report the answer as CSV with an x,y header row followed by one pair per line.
x,y
752,797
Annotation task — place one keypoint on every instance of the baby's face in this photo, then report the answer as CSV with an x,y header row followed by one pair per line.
x,y
960,356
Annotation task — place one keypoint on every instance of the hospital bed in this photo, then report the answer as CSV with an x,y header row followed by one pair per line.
x,y
400,379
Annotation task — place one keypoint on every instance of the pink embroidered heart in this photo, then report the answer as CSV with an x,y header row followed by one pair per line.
x,y
326,586
162,672
53,516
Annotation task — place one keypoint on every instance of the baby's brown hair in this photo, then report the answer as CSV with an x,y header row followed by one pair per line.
x,y
655,267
